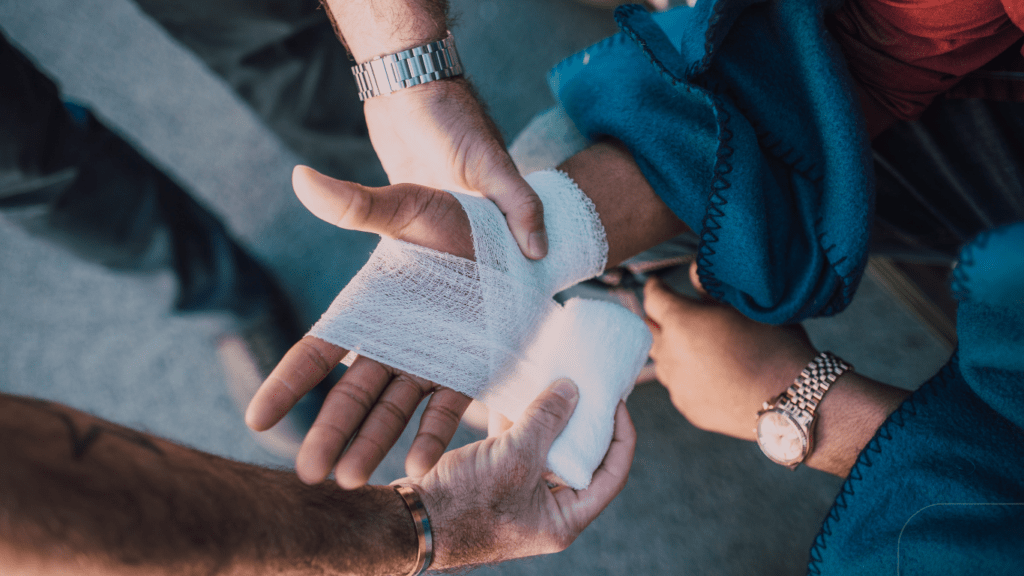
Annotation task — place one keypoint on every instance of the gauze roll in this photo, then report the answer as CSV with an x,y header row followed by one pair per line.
x,y
491,329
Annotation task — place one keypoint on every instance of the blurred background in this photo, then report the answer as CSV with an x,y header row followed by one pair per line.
x,y
224,98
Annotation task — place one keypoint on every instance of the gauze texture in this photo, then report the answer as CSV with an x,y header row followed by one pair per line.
x,y
491,329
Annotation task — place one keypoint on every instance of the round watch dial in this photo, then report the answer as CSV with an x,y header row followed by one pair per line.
x,y
780,438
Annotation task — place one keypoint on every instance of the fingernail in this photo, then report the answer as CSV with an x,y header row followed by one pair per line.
x,y
538,244
566,389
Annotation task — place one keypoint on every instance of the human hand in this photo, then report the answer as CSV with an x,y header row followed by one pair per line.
x,y
372,403
718,365
439,135
490,501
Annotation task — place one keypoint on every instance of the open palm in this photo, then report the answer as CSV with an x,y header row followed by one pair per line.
x,y
372,403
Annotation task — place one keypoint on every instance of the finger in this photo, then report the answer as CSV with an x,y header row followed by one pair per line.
x,y
379,432
438,424
695,280
610,477
344,409
661,301
522,208
653,326
417,214
497,424
301,369
544,419
347,204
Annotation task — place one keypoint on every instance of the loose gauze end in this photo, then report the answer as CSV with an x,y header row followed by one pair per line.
x,y
491,329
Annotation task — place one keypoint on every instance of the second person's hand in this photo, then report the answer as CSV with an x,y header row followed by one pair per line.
x,y
367,410
439,135
490,501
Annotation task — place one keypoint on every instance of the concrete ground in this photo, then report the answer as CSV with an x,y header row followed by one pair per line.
x,y
696,503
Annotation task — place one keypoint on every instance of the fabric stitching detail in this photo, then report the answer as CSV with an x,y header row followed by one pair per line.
x,y
885,433
702,65
622,13
960,282
719,183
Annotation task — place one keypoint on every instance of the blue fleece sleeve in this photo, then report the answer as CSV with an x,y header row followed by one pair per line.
x,y
740,115
940,488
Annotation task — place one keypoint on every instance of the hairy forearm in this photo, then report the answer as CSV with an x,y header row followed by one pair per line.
x,y
371,28
81,495
633,215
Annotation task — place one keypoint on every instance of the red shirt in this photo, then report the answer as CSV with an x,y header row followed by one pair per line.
x,y
905,53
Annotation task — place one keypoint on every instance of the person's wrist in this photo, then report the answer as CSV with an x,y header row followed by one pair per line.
x,y
455,86
368,48
779,375
417,511
443,510
462,537
847,418
398,71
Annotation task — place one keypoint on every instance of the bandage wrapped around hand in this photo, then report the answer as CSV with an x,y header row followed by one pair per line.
x,y
491,328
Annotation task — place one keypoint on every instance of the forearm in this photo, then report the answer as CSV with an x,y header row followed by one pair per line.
x,y
371,28
80,495
633,215
848,417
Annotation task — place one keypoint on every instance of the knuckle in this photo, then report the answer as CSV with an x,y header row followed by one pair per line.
x,y
394,411
444,414
550,414
530,208
485,159
367,444
415,384
417,203
432,440
358,209
313,356
356,393
333,428
275,382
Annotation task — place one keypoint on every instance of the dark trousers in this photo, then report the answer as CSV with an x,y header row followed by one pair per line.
x,y
283,58
67,178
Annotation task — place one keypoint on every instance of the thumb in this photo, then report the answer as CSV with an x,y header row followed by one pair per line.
x,y
697,285
522,207
661,301
546,416
344,204
417,214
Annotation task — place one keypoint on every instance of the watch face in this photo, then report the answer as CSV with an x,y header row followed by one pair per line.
x,y
780,438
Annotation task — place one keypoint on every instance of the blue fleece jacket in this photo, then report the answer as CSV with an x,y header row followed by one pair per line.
x,y
742,117
940,488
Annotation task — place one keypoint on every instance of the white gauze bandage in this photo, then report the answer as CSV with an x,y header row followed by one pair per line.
x,y
491,329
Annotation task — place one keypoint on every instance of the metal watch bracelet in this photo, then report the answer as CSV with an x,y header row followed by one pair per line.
x,y
785,424
810,386
392,72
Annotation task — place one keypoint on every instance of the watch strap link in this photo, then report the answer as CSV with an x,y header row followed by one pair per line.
x,y
810,386
392,72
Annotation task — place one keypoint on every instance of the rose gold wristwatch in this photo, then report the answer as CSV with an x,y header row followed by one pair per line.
x,y
785,424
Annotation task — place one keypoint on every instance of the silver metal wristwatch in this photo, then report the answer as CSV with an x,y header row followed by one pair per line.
x,y
392,72
785,425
